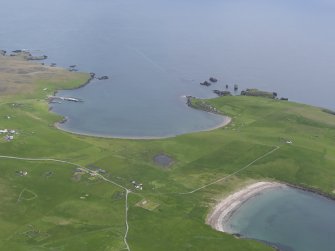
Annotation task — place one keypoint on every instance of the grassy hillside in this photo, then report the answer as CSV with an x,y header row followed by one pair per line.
x,y
57,207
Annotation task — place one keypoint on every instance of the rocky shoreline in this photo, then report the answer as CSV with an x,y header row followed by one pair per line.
x,y
203,106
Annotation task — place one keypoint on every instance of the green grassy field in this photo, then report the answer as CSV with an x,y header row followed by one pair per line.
x,y
56,207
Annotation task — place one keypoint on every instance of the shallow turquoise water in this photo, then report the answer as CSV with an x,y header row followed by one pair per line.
x,y
291,219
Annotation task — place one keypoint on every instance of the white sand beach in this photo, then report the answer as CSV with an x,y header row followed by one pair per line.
x,y
225,208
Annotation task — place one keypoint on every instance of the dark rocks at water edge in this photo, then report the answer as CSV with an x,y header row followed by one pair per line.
x,y
189,100
3,52
36,57
103,78
201,105
73,68
27,55
92,75
258,93
63,121
237,235
222,93
206,83
53,64
213,80
235,87
284,99
328,111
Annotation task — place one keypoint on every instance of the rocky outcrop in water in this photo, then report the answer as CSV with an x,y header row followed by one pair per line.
x,y
222,93
206,83
3,52
103,78
27,55
213,80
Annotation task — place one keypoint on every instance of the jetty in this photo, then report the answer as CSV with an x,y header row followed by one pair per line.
x,y
53,98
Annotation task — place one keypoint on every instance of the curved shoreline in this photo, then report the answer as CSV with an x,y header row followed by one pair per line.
x,y
57,125
223,211
227,120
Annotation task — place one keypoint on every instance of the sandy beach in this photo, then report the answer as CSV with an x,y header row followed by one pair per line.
x,y
57,125
225,208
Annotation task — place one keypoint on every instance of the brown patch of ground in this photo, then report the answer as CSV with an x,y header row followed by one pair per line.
x,y
147,204
18,75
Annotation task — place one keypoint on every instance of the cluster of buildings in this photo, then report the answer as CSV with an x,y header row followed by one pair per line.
x,y
22,173
137,185
9,134
92,172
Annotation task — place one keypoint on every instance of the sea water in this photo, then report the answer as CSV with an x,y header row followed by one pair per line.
x,y
291,219
157,51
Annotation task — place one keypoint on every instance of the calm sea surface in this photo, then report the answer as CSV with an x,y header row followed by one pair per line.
x,y
291,219
157,51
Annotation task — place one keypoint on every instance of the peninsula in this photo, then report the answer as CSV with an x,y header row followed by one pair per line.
x,y
61,191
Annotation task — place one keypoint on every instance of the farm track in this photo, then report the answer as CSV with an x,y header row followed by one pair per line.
x,y
128,191
87,171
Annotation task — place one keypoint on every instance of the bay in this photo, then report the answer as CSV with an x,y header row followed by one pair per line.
x,y
291,219
156,52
